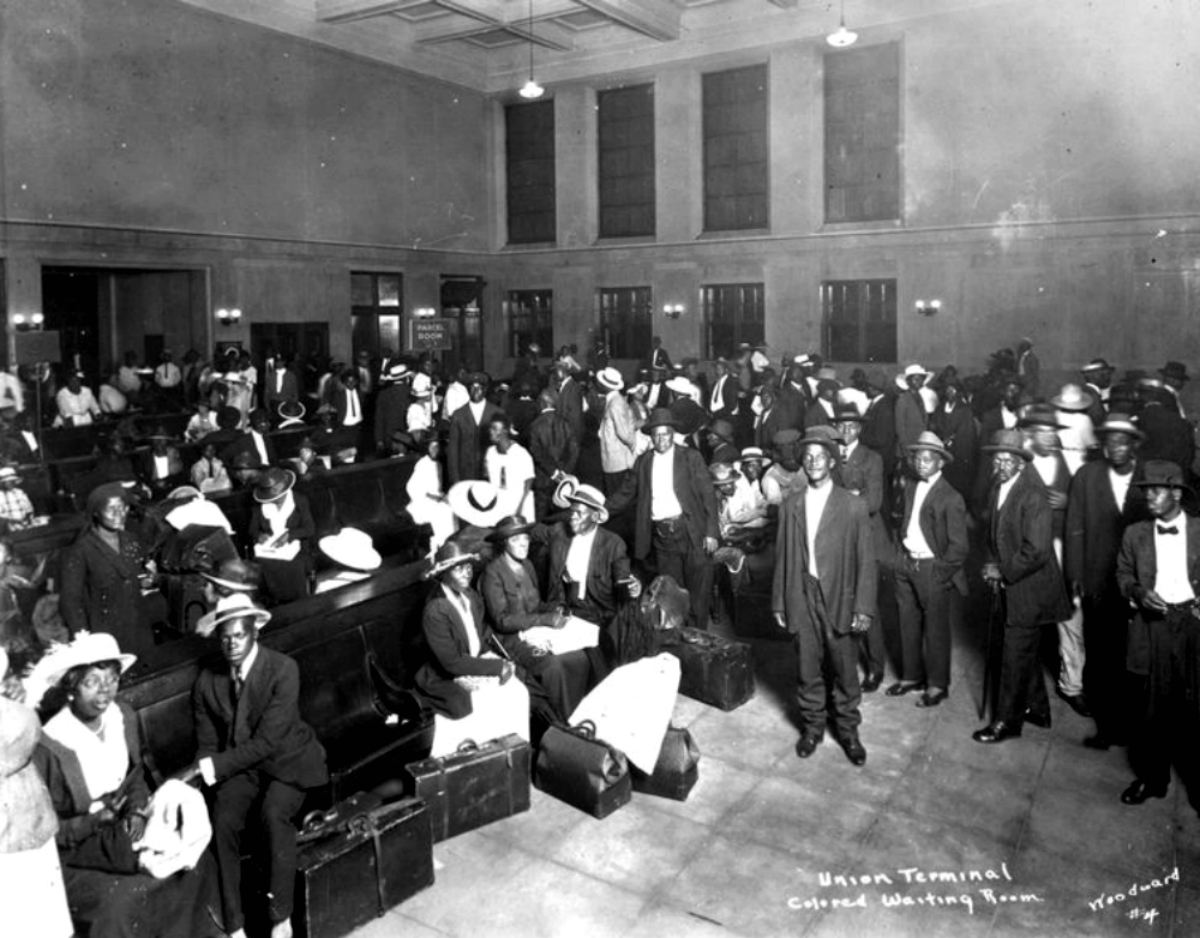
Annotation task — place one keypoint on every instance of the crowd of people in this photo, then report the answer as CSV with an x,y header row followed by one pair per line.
x,y
578,520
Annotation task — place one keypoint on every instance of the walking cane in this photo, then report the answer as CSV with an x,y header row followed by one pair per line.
x,y
993,615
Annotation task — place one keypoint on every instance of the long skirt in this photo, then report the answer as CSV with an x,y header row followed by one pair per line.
x,y
35,900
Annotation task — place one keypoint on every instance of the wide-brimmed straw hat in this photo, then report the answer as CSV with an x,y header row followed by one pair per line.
x,y
1117,422
291,410
477,502
351,548
85,648
1072,398
1008,441
1097,364
610,379
755,454
236,574
233,606
274,483
510,526
449,555
9,474
1039,415
930,441
587,495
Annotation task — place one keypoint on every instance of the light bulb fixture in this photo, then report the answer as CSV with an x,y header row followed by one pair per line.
x,y
673,310
38,320
928,307
842,37
229,317
424,312
27,322
531,90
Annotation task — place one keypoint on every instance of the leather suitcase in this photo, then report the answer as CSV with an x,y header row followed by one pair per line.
x,y
585,772
379,859
676,771
475,786
715,670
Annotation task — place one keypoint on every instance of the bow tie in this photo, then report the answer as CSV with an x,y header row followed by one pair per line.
x,y
1163,529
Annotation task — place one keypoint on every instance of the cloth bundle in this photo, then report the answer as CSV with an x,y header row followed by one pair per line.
x,y
177,830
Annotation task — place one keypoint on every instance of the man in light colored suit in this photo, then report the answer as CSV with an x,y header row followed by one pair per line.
x,y
825,594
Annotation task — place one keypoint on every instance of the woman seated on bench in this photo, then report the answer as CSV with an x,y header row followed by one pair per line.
x,y
467,676
90,758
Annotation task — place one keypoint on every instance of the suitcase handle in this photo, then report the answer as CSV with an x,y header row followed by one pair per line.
x,y
468,745
585,728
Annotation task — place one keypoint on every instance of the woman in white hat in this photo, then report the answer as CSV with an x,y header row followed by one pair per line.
x,y
467,676
90,757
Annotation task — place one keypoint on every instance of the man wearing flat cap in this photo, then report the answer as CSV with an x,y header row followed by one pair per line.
x,y
1104,501
1158,569
676,516
1022,571
468,439
825,594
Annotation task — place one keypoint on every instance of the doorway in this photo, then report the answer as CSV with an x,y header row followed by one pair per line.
x,y
462,302
305,343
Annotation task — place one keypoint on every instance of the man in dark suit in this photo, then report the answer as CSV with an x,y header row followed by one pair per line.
x,y
795,396
468,440
859,470
555,451
1169,436
929,573
1022,569
255,442
910,415
1104,500
723,399
570,398
1159,570
254,753
825,594
771,417
676,514
279,383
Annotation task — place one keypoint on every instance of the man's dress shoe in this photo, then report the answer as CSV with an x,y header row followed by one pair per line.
x,y
808,745
933,698
900,688
854,750
997,732
1038,719
1139,792
1076,702
871,683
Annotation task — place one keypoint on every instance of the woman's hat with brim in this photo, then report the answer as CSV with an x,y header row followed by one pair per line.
x,y
175,495
351,548
931,442
274,483
610,379
291,410
9,474
1008,441
1072,398
510,526
722,429
822,436
1117,422
236,574
564,490
477,502
86,648
660,417
228,608
449,555
1162,472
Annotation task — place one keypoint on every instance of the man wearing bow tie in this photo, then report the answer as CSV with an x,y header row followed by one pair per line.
x,y
1159,570
254,752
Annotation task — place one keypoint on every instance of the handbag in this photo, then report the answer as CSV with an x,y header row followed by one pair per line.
x,y
585,772
677,769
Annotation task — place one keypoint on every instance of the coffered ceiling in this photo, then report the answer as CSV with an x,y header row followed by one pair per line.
x,y
484,44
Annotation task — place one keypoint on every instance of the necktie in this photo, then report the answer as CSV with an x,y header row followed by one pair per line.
x,y
845,453
1164,529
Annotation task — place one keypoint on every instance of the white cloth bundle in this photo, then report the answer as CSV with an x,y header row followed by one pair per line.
x,y
632,707
177,830
496,710
576,635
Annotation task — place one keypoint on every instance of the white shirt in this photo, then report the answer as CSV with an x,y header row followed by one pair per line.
x,y
261,445
1008,417
663,503
914,537
353,409
717,400
477,408
1170,555
509,473
1077,436
815,499
1005,488
463,608
579,558
1120,486
167,375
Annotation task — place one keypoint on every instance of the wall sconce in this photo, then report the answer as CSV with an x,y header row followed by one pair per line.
x,y
673,310
928,307
424,312
229,317
31,323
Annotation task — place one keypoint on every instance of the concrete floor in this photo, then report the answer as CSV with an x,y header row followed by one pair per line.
x,y
746,853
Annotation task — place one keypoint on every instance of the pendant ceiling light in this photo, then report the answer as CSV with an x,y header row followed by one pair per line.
x,y
839,40
531,89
